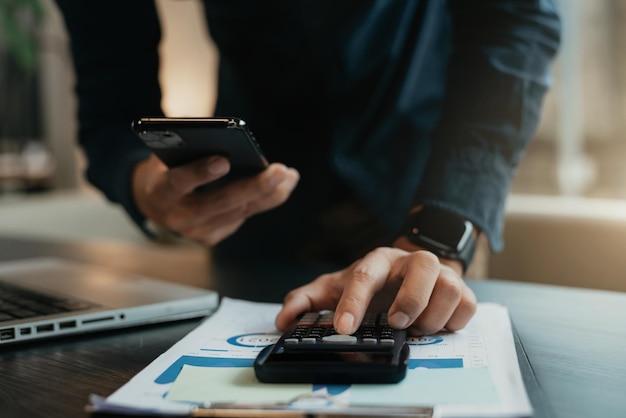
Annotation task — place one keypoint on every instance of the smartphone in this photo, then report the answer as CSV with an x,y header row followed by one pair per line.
x,y
177,141
310,351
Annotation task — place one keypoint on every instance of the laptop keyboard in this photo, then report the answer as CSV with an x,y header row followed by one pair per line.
x,y
20,303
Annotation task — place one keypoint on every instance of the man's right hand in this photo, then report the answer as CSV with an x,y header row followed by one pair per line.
x,y
167,196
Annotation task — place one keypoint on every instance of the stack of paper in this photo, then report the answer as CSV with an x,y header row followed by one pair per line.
x,y
472,372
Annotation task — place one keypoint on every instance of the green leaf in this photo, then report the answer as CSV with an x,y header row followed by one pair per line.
x,y
21,42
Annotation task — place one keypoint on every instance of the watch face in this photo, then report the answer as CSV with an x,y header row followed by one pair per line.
x,y
441,229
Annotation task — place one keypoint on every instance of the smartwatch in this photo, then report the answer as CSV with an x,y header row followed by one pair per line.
x,y
442,232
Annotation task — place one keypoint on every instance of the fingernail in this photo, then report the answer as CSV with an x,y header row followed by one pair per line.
x,y
345,323
218,166
399,320
293,182
276,178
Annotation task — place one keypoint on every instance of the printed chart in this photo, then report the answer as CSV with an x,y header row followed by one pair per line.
x,y
453,371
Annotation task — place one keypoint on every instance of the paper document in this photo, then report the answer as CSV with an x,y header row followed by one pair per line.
x,y
472,372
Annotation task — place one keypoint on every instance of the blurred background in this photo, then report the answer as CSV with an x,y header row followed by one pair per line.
x,y
566,215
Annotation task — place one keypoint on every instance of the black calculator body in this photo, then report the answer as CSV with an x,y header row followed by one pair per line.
x,y
310,351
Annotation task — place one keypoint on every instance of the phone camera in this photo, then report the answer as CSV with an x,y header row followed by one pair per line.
x,y
162,139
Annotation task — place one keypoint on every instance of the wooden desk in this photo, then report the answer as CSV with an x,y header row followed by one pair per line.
x,y
575,340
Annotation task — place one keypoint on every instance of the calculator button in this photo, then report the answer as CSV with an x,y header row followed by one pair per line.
x,y
325,322
307,319
340,338
315,333
369,320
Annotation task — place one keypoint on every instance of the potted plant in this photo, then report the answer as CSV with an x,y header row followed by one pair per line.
x,y
20,113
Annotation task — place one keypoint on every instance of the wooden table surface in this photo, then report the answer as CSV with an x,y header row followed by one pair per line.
x,y
575,339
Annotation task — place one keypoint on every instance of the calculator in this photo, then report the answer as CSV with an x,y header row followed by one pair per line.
x,y
311,351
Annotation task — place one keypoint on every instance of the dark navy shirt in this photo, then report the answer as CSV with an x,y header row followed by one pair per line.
x,y
395,103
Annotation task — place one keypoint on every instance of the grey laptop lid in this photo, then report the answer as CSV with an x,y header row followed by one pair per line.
x,y
71,298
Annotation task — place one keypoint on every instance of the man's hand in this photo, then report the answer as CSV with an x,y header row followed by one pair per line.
x,y
419,292
167,196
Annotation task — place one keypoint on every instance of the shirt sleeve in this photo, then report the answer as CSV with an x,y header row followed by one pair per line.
x,y
498,76
114,47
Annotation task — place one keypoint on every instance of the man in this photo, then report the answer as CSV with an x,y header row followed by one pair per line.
x,y
394,128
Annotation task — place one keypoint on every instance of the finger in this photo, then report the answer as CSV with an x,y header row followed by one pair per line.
x,y
201,212
420,276
185,179
295,303
367,276
315,296
464,311
217,229
265,182
443,302
276,197
241,192
146,178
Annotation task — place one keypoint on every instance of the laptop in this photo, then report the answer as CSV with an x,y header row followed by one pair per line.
x,y
49,297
